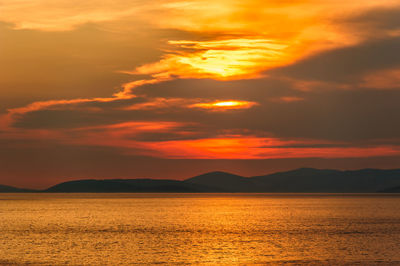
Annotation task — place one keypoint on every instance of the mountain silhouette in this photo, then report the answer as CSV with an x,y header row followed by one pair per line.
x,y
224,182
303,180
10,189
319,180
391,190
128,185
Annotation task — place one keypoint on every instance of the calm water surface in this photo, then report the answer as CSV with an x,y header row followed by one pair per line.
x,y
117,229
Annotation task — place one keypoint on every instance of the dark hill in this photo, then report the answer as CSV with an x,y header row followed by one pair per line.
x,y
391,190
127,185
224,181
305,180
9,189
318,180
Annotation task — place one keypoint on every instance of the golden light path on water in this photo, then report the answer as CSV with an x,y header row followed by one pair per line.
x,y
126,229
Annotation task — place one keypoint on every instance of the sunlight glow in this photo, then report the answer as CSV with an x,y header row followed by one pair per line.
x,y
225,105
218,59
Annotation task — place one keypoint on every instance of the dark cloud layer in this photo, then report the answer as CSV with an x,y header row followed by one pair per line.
x,y
249,89
338,115
346,65
376,21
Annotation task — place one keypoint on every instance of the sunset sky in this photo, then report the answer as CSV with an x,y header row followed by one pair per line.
x,y
172,89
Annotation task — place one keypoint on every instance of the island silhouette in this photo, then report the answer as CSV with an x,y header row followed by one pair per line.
x,y
303,180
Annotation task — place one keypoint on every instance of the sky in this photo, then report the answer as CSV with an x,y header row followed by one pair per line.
x,y
172,89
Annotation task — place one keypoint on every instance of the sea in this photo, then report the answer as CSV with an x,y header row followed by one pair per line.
x,y
199,229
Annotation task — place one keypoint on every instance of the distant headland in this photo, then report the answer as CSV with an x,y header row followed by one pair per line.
x,y
303,180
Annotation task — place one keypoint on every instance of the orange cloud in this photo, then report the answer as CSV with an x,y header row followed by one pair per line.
x,y
193,15
237,146
242,147
120,130
243,38
64,15
247,38
159,103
